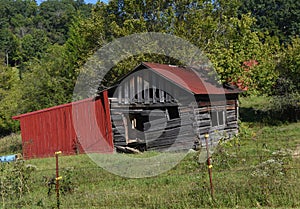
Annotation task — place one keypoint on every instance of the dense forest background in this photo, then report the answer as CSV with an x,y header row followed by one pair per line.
x,y
252,43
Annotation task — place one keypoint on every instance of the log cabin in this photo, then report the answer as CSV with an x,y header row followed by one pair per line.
x,y
165,107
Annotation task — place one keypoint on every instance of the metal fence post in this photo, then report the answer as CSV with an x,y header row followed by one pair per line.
x,y
57,179
209,165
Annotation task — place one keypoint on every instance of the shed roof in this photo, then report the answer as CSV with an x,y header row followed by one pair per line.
x,y
17,117
190,79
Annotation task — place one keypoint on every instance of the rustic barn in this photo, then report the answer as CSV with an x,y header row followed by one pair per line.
x,y
153,107
78,127
164,107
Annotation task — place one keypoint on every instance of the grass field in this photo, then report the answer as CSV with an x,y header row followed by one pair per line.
x,y
260,168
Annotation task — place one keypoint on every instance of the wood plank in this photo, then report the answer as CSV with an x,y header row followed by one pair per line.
x,y
153,80
116,107
139,88
165,126
231,119
146,87
202,123
119,129
185,142
216,103
201,110
167,144
175,132
126,92
202,116
165,137
132,89
231,112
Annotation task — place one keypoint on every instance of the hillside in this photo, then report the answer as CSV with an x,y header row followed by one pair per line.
x,y
261,168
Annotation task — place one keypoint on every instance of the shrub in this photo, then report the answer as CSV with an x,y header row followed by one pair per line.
x,y
15,181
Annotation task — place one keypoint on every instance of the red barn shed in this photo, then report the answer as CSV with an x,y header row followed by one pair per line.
x,y
78,127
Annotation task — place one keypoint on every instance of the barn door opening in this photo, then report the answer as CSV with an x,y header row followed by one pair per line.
x,y
172,112
136,127
142,122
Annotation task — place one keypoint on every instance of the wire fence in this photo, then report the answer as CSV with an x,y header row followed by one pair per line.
x,y
191,177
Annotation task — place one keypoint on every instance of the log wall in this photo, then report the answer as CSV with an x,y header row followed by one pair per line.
x,y
183,133
202,122
170,135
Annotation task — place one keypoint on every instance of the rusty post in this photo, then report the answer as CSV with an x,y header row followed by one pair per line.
x,y
209,165
57,179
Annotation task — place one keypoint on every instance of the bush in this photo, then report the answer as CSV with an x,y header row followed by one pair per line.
x,y
286,107
286,101
15,182
11,144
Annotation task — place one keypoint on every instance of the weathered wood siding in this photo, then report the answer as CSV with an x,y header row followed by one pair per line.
x,y
118,128
202,121
145,91
147,88
171,135
181,133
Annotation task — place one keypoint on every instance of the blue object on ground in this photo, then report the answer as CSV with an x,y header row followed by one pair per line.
x,y
8,158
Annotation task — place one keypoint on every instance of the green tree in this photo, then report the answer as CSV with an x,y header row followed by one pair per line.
x,y
286,94
43,84
55,17
9,45
33,45
9,97
289,70
278,18
241,58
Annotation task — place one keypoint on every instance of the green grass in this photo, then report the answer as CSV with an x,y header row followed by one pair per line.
x,y
255,170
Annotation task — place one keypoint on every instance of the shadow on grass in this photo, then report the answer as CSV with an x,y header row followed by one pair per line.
x,y
269,117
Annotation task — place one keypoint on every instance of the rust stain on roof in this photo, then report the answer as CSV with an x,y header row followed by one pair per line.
x,y
190,79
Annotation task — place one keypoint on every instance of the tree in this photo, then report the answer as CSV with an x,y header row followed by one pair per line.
x,y
289,70
43,84
241,58
9,45
286,92
278,18
9,97
56,15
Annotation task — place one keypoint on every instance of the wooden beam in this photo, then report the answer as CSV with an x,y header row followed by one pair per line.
x,y
125,122
146,87
126,93
139,88
119,89
132,89
154,99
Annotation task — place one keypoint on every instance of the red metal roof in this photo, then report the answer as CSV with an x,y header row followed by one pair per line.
x,y
189,79
17,117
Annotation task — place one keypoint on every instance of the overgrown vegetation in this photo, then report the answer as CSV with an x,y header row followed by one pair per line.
x,y
11,144
16,182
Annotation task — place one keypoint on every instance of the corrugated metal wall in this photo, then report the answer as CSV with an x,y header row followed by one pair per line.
x,y
79,127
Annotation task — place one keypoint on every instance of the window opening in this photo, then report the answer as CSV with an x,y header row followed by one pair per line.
x,y
218,116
